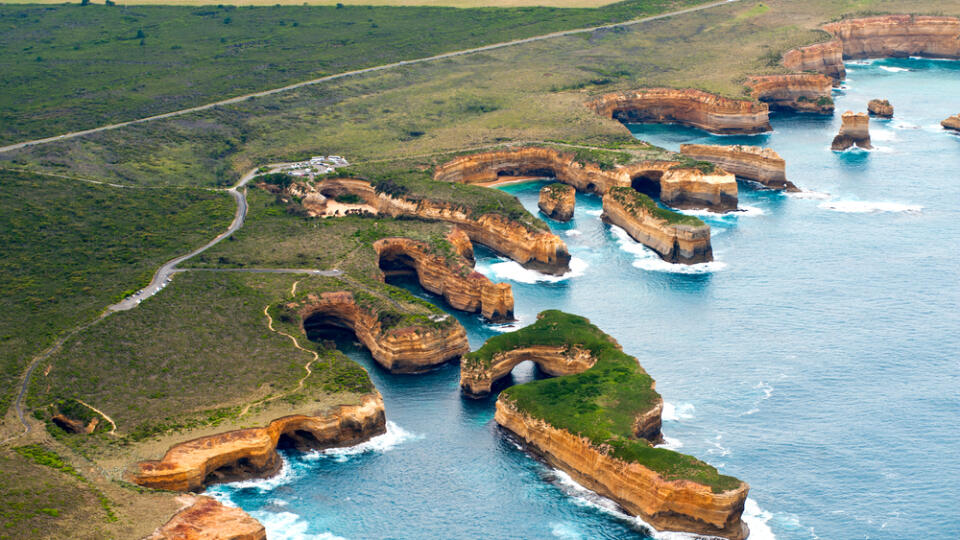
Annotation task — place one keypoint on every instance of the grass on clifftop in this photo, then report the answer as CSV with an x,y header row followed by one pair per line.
x,y
601,403
636,203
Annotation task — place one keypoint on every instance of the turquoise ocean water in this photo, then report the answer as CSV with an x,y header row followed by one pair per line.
x,y
818,358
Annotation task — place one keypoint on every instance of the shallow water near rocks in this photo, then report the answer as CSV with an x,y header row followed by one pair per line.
x,y
817,359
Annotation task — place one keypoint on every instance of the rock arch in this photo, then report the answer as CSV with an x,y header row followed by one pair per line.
x,y
647,182
477,380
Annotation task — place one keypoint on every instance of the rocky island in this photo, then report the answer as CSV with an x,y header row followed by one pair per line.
x,y
880,108
557,201
205,518
761,165
569,423
854,131
801,92
952,123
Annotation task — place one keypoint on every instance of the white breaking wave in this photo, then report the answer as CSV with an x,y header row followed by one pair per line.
x,y
647,259
513,271
394,436
805,194
289,526
864,207
597,213
573,232
893,69
741,211
756,519
287,474
670,443
900,124
672,413
883,135
564,530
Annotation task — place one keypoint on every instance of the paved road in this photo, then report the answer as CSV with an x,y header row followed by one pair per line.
x,y
310,271
360,72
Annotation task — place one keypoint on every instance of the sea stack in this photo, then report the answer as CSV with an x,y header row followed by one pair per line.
x,y
952,123
855,130
880,108
557,201
761,165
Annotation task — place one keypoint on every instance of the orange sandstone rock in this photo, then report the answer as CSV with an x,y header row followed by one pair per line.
x,y
675,243
952,123
558,201
855,130
477,380
805,92
762,165
205,518
880,107
826,58
246,453
695,108
898,36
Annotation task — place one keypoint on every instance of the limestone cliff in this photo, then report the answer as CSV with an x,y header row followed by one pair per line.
x,y
952,123
684,241
450,276
246,453
674,184
761,165
855,130
826,58
898,36
205,518
402,348
477,379
880,108
696,108
804,92
675,505
558,201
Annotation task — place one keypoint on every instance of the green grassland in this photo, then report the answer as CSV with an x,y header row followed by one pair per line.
x,y
70,248
69,67
602,403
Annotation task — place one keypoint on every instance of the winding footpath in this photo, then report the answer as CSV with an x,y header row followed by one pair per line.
x,y
373,69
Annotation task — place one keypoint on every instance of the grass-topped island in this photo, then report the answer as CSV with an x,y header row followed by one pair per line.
x,y
599,423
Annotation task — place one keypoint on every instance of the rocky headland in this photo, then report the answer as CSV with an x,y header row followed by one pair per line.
x,y
854,131
952,123
675,237
252,453
880,108
761,165
557,201
802,92
205,518
695,108
825,58
566,421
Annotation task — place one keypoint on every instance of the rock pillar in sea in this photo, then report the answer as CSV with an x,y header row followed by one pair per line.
x,y
855,130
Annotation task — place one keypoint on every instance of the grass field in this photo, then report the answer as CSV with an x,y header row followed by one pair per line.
x,y
435,3
71,248
69,67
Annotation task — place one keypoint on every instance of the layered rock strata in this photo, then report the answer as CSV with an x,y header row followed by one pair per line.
x,y
855,130
880,108
558,201
477,380
251,453
825,58
674,184
761,165
696,108
400,349
898,36
683,242
803,92
952,123
450,276
205,518
675,505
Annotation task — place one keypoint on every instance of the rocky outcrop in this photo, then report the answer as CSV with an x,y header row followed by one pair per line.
x,y
825,58
402,347
675,505
696,108
71,425
674,184
251,453
477,379
898,36
880,108
449,275
205,518
558,201
803,92
684,241
761,165
952,123
855,130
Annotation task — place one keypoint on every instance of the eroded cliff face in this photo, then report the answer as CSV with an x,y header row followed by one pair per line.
x,y
826,58
402,349
898,36
804,92
952,123
477,380
677,186
696,108
450,276
558,201
679,505
855,130
880,108
761,165
675,243
250,453
205,518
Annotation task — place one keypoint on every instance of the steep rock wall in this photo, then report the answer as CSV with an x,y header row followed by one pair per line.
x,y
880,108
761,165
679,505
205,518
804,92
696,108
477,380
558,201
675,243
246,453
952,123
692,188
898,36
854,130
826,58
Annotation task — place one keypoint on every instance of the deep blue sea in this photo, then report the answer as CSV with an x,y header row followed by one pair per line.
x,y
818,358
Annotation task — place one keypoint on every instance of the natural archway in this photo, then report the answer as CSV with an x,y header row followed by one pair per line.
x,y
648,183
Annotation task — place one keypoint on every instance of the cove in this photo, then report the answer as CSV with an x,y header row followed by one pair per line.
x,y
815,358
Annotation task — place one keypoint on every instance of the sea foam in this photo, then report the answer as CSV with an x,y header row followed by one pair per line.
x,y
289,526
672,413
513,271
865,207
646,259
394,436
